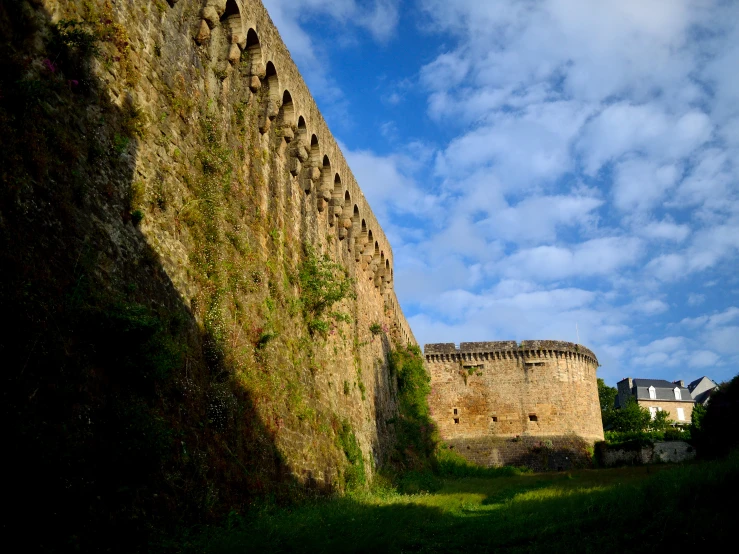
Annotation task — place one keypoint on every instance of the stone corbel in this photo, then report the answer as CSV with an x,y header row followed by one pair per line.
x,y
218,5
273,108
210,16
334,211
372,265
203,33
313,175
234,54
295,166
301,152
264,123
325,195
287,133
344,226
258,69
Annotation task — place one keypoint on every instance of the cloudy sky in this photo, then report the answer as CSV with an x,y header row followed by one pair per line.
x,y
545,168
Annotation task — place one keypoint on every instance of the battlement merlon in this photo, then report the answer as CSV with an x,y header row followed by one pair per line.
x,y
525,347
440,348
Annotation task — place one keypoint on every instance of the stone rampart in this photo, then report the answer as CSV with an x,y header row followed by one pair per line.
x,y
232,172
536,389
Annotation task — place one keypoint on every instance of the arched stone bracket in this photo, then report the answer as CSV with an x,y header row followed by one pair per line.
x,y
240,52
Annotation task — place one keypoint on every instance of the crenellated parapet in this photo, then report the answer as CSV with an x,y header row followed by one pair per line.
x,y
241,36
526,350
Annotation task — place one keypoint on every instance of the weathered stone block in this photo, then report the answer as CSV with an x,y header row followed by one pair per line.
x,y
203,33
210,15
234,54
218,5
302,153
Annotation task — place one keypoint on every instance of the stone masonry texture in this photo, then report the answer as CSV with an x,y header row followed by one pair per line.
x,y
177,64
486,393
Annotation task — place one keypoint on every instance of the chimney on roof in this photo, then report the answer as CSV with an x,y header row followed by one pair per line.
x,y
679,383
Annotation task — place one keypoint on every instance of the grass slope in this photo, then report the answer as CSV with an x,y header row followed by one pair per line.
x,y
636,509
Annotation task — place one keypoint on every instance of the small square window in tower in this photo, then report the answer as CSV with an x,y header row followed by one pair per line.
x,y
532,417
495,419
456,421
455,411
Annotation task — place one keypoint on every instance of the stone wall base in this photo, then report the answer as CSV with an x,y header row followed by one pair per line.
x,y
548,453
637,454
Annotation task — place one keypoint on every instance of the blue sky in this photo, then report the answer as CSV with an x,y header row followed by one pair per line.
x,y
545,166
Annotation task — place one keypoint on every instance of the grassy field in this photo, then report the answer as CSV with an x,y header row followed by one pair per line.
x,y
627,509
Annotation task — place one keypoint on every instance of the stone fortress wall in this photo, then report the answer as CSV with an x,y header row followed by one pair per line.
x,y
188,62
245,45
486,393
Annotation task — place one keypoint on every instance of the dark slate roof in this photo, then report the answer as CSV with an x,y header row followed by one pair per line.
x,y
663,390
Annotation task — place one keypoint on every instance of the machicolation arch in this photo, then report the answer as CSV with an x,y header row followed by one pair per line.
x,y
235,30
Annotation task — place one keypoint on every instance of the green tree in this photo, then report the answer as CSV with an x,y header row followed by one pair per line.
x,y
716,427
696,419
631,418
607,396
660,422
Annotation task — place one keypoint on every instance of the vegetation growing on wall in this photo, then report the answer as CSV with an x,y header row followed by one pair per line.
x,y
416,433
354,475
323,284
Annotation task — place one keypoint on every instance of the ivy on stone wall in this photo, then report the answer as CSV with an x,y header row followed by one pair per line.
x,y
323,284
416,433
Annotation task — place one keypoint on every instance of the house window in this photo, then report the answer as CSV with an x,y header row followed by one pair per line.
x,y
456,421
652,394
653,412
532,417
495,418
680,414
678,396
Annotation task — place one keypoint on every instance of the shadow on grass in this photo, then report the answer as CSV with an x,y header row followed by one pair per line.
x,y
643,513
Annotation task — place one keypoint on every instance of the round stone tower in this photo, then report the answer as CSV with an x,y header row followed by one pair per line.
x,y
497,401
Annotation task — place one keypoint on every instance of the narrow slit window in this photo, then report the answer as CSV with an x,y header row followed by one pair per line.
x,y
455,411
